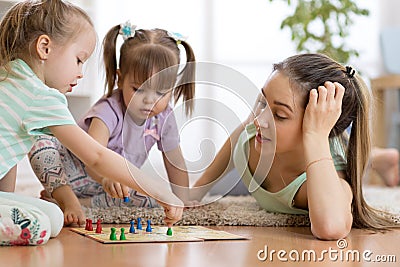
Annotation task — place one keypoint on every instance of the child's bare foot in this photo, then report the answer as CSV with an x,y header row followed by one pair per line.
x,y
69,204
386,163
73,215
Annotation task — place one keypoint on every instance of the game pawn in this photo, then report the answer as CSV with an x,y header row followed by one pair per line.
x,y
132,228
148,228
89,225
113,235
98,227
169,231
139,224
122,236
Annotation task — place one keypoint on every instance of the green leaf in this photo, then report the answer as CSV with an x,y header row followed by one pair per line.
x,y
336,17
15,215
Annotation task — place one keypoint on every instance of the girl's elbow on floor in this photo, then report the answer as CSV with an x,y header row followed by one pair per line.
x,y
331,230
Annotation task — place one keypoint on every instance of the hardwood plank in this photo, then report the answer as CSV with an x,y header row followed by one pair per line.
x,y
74,250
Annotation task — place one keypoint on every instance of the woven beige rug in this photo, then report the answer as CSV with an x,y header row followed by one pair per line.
x,y
239,210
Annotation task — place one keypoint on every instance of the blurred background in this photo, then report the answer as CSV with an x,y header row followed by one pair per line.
x,y
243,35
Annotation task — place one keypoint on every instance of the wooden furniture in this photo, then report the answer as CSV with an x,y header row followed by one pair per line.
x,y
380,121
71,249
379,86
389,44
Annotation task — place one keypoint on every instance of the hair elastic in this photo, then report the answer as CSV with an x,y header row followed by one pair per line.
x,y
127,30
350,72
177,37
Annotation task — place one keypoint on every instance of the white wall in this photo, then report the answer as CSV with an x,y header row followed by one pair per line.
x,y
243,35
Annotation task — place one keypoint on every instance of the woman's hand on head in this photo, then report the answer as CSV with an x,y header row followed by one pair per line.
x,y
323,109
114,189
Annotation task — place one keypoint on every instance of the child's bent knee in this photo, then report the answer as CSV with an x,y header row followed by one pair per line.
x,y
22,224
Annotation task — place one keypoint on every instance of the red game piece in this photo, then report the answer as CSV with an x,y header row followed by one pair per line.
x,y
90,225
87,225
98,227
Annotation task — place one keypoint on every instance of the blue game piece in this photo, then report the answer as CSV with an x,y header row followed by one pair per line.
x,y
139,223
126,199
132,228
148,228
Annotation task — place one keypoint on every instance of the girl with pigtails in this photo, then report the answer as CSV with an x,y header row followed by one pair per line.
x,y
134,115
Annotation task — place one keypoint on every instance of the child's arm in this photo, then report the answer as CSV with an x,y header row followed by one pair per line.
x,y
111,165
7,183
329,195
177,174
98,130
220,166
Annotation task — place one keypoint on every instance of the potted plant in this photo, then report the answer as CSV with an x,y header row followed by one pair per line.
x,y
322,26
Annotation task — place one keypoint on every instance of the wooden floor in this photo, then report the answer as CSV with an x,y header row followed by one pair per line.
x,y
73,250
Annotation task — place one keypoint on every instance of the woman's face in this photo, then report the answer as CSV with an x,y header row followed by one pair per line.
x,y
286,113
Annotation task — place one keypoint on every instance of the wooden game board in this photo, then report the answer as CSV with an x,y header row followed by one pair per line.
x,y
158,234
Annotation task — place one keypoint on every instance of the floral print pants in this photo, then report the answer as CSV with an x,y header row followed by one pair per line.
x,y
22,223
55,166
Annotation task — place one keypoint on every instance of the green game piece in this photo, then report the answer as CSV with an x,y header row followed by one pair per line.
x,y
122,236
169,231
113,235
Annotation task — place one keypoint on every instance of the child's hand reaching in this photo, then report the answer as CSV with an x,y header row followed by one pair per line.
x,y
172,214
114,189
323,109
173,210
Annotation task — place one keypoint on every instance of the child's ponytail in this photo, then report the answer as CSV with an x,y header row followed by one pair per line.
x,y
110,58
144,52
186,82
